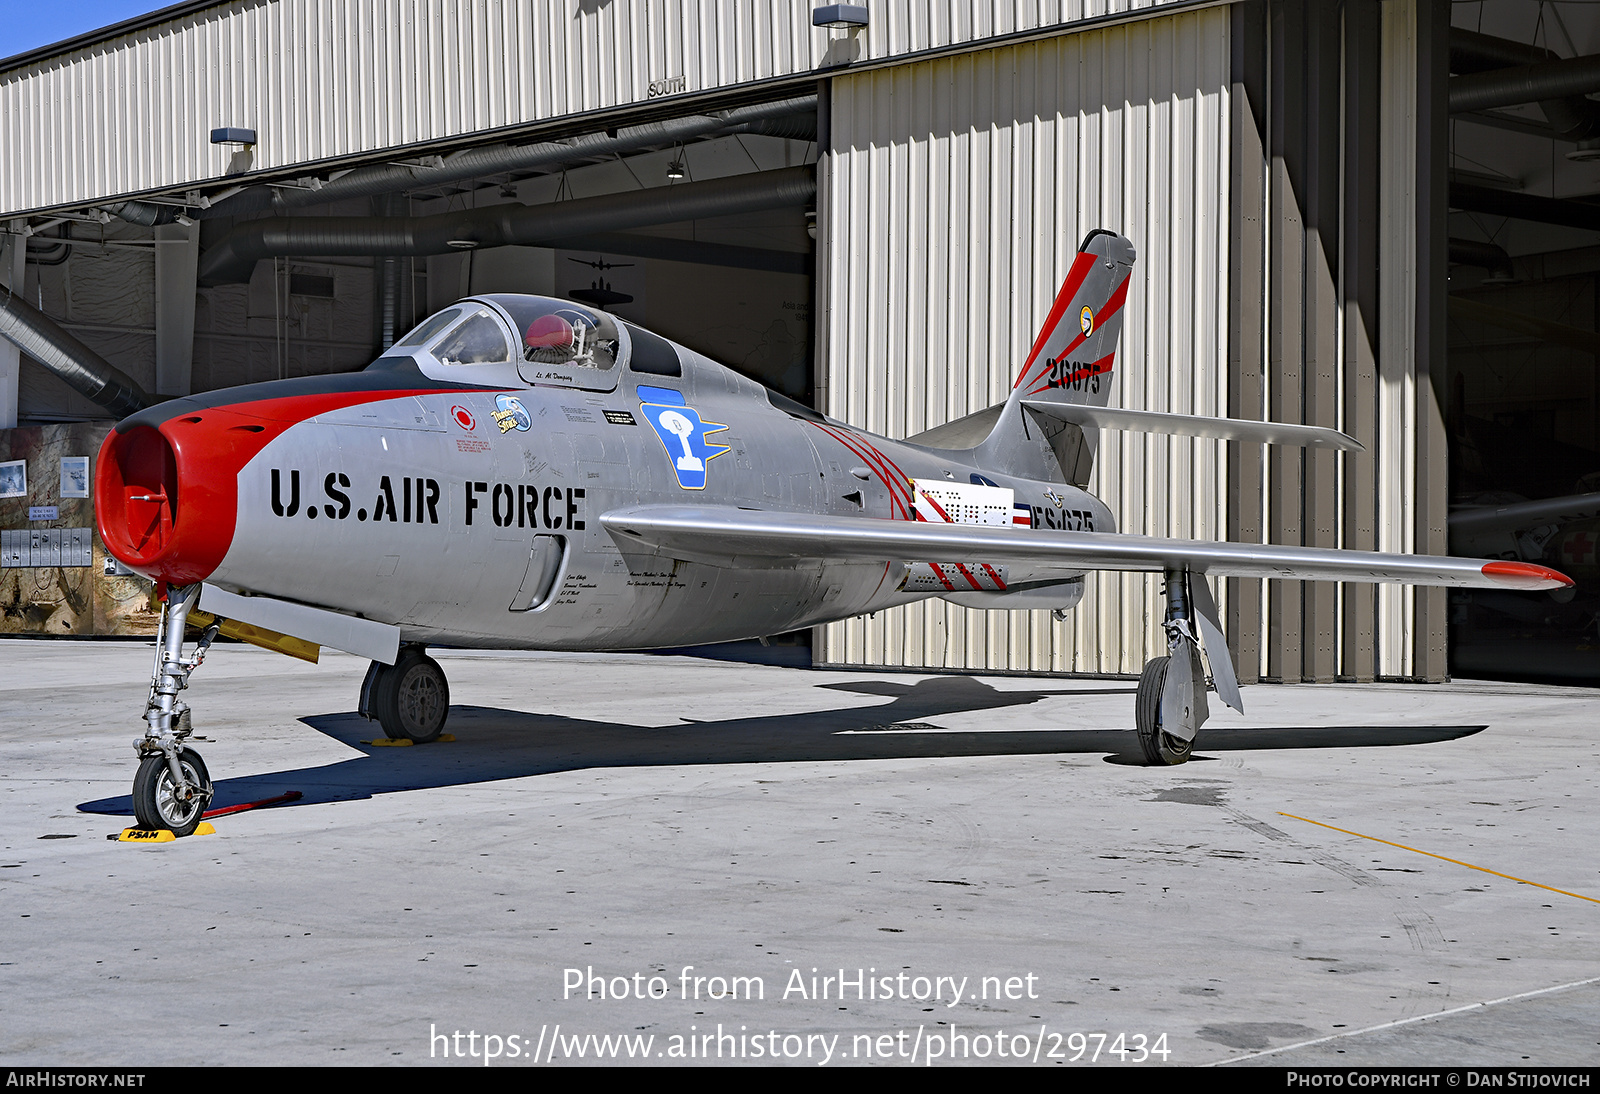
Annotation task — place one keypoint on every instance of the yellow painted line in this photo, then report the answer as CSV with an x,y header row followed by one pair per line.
x,y
1430,854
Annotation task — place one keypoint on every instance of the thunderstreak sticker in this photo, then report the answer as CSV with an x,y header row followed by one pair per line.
x,y
682,434
511,414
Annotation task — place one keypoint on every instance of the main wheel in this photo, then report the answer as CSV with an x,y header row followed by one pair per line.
x,y
411,698
1160,749
157,802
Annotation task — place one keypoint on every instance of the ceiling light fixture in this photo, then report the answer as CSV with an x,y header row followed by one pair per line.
x,y
1586,150
233,135
840,16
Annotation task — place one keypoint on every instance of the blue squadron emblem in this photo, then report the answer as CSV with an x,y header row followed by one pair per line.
x,y
511,414
682,434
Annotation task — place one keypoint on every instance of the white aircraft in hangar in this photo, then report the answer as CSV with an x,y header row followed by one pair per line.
x,y
527,473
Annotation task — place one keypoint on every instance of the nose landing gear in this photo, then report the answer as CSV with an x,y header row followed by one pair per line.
x,y
172,787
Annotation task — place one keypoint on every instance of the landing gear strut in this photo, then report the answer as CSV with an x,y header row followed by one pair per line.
x,y
410,699
1171,704
172,787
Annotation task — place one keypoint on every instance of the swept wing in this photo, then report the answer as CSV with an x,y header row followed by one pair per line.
x,y
724,535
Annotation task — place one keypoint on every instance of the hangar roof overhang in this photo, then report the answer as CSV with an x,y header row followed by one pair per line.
x,y
126,112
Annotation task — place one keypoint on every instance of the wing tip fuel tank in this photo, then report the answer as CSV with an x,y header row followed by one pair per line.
x,y
1526,575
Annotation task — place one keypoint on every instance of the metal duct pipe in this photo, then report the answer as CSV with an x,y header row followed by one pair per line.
x,y
234,256
388,205
1488,256
1525,84
501,158
690,250
1500,72
142,212
1473,52
801,126
48,250
83,370
1470,53
1482,199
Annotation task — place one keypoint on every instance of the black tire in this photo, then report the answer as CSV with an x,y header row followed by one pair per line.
x,y
411,698
1160,749
155,801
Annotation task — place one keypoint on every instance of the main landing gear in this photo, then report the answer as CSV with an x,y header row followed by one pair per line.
x,y
1171,704
410,698
172,787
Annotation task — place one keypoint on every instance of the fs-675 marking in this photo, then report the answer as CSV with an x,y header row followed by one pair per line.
x,y
528,473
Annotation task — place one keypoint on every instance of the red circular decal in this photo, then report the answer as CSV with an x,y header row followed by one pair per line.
x,y
463,417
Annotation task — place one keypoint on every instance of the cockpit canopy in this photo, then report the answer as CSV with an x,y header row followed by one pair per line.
x,y
555,341
553,332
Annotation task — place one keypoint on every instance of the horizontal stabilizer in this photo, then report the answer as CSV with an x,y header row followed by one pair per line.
x,y
724,535
1191,425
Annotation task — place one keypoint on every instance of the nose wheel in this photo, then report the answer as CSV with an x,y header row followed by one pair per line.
x,y
172,787
175,802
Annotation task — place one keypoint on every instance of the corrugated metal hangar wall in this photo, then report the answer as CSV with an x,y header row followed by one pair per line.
x,y
322,80
1252,154
1266,157
956,192
1337,302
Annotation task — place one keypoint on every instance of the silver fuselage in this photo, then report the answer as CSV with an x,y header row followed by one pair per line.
x,y
421,510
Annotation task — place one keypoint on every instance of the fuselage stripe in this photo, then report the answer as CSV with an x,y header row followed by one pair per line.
x,y
881,464
876,465
899,493
898,480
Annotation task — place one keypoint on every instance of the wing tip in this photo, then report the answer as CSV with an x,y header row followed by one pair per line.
x,y
1526,575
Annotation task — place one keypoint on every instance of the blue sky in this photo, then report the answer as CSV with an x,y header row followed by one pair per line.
x,y
29,24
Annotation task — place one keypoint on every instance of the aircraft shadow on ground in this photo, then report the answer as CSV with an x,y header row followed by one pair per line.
x,y
493,743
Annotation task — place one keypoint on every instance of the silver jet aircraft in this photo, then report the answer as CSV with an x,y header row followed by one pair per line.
x,y
527,473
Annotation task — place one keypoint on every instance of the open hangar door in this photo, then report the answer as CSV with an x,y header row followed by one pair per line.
x,y
698,228
1522,388
736,287
695,227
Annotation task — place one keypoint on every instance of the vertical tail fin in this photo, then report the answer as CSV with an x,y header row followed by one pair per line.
x,y
1071,362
